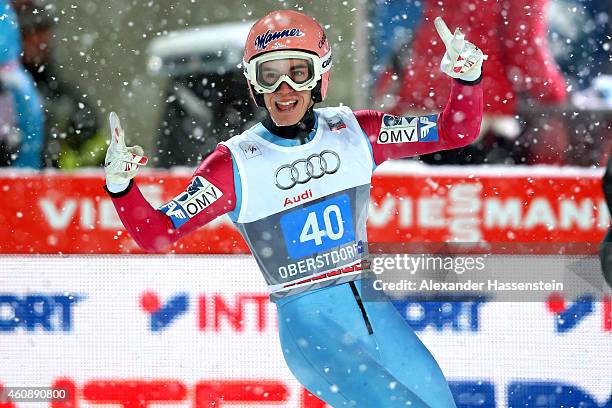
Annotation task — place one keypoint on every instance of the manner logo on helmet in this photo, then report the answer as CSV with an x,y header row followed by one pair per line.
x,y
263,40
302,171
199,195
408,129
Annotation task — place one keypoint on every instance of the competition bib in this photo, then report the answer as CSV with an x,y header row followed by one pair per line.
x,y
303,208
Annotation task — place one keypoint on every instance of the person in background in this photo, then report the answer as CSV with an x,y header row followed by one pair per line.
x,y
520,66
21,117
580,44
201,110
394,25
72,138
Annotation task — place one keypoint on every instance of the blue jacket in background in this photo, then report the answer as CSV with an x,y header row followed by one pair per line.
x,y
15,80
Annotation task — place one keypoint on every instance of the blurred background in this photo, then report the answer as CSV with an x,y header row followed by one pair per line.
x,y
195,327
102,50
170,68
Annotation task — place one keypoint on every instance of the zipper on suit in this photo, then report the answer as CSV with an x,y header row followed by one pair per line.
x,y
359,301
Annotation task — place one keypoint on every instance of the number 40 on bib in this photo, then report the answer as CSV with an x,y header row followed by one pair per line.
x,y
318,227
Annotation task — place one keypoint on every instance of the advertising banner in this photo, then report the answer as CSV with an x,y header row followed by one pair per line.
x,y
199,331
69,213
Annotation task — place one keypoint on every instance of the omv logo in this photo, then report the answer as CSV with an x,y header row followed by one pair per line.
x,y
162,314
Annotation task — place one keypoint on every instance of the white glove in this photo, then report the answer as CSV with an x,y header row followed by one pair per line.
x,y
462,60
121,163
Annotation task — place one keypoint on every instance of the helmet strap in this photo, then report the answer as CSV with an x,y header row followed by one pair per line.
x,y
259,98
316,92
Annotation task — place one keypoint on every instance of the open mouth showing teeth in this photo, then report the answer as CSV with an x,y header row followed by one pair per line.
x,y
283,106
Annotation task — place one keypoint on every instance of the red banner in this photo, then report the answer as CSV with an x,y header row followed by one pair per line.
x,y
50,212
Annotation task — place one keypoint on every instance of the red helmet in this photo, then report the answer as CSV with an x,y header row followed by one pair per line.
x,y
285,30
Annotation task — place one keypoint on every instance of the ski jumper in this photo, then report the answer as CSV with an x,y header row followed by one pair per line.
x,y
302,209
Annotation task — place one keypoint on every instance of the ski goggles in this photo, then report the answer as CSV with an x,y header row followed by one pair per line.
x,y
300,70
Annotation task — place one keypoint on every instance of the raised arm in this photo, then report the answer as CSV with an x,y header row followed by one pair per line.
x,y
209,194
456,126
394,137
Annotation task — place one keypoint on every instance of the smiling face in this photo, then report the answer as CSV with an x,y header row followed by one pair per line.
x,y
286,105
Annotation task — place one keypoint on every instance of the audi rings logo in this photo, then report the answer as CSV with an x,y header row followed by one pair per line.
x,y
303,170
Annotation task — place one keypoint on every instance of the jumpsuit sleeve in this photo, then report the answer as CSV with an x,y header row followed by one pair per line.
x,y
210,194
456,126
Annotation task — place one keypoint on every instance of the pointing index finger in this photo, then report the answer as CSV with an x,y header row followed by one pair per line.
x,y
443,31
117,135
